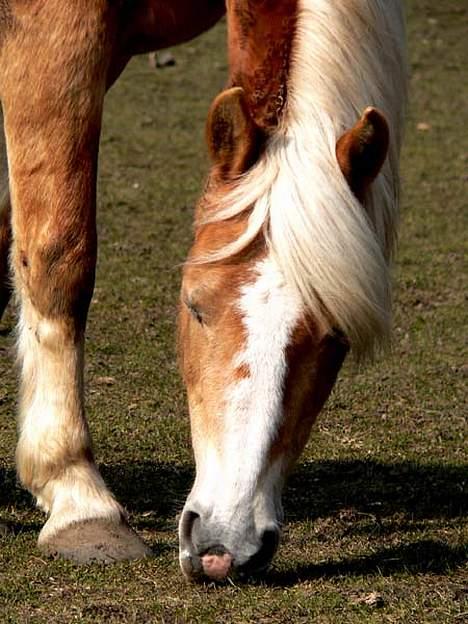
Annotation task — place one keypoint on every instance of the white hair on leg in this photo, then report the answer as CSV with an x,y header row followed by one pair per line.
x,y
53,454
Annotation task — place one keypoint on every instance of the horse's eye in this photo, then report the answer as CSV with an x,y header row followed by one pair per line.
x,y
195,312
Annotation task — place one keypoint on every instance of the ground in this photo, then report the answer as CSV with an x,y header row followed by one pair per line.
x,y
375,525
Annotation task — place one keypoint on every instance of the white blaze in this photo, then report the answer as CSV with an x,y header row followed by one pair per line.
x,y
253,406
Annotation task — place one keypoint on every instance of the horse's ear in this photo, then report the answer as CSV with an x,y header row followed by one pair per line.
x,y
233,138
361,151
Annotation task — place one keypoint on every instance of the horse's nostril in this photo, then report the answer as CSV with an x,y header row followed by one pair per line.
x,y
270,541
189,562
262,558
197,559
189,518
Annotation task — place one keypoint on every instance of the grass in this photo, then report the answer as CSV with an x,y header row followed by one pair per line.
x,y
376,510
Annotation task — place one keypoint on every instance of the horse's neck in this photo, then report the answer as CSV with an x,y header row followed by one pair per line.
x,y
260,41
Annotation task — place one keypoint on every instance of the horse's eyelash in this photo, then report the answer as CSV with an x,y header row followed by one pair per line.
x,y
195,312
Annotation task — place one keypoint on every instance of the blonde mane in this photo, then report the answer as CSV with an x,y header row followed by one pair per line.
x,y
346,56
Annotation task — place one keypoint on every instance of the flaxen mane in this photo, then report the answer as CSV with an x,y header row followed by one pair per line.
x,y
346,56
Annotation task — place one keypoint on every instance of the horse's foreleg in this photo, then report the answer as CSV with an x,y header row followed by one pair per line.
x,y
52,101
5,242
5,227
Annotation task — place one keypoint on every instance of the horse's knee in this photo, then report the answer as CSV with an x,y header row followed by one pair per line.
x,y
54,275
57,272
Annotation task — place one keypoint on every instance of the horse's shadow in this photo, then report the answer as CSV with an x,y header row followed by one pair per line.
x,y
416,493
420,556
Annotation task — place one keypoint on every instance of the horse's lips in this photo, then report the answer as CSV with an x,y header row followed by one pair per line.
x,y
217,567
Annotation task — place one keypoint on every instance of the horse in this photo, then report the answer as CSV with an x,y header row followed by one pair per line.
x,y
288,271
290,265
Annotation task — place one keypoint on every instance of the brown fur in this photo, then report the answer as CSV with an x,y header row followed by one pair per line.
x,y
6,18
234,140
53,151
259,54
54,139
57,58
361,151
314,362
207,349
5,218
150,25
211,331
5,242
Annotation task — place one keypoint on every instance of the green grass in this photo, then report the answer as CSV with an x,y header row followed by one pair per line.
x,y
378,502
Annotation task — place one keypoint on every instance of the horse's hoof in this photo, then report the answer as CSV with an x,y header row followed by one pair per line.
x,y
96,540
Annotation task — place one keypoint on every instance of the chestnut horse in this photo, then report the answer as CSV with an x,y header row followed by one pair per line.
x,y
289,268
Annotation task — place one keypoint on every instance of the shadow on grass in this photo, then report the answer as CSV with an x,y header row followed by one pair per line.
x,y
316,489
423,556
320,489
155,493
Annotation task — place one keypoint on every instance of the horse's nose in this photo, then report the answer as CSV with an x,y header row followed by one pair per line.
x,y
217,563
198,559
205,554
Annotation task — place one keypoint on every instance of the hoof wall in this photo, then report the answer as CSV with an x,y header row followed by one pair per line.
x,y
96,540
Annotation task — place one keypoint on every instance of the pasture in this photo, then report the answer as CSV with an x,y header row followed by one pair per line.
x,y
375,526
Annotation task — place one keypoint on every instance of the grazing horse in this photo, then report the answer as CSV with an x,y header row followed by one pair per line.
x,y
290,264
288,271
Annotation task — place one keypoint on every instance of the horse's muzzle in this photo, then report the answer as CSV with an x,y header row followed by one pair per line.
x,y
204,555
